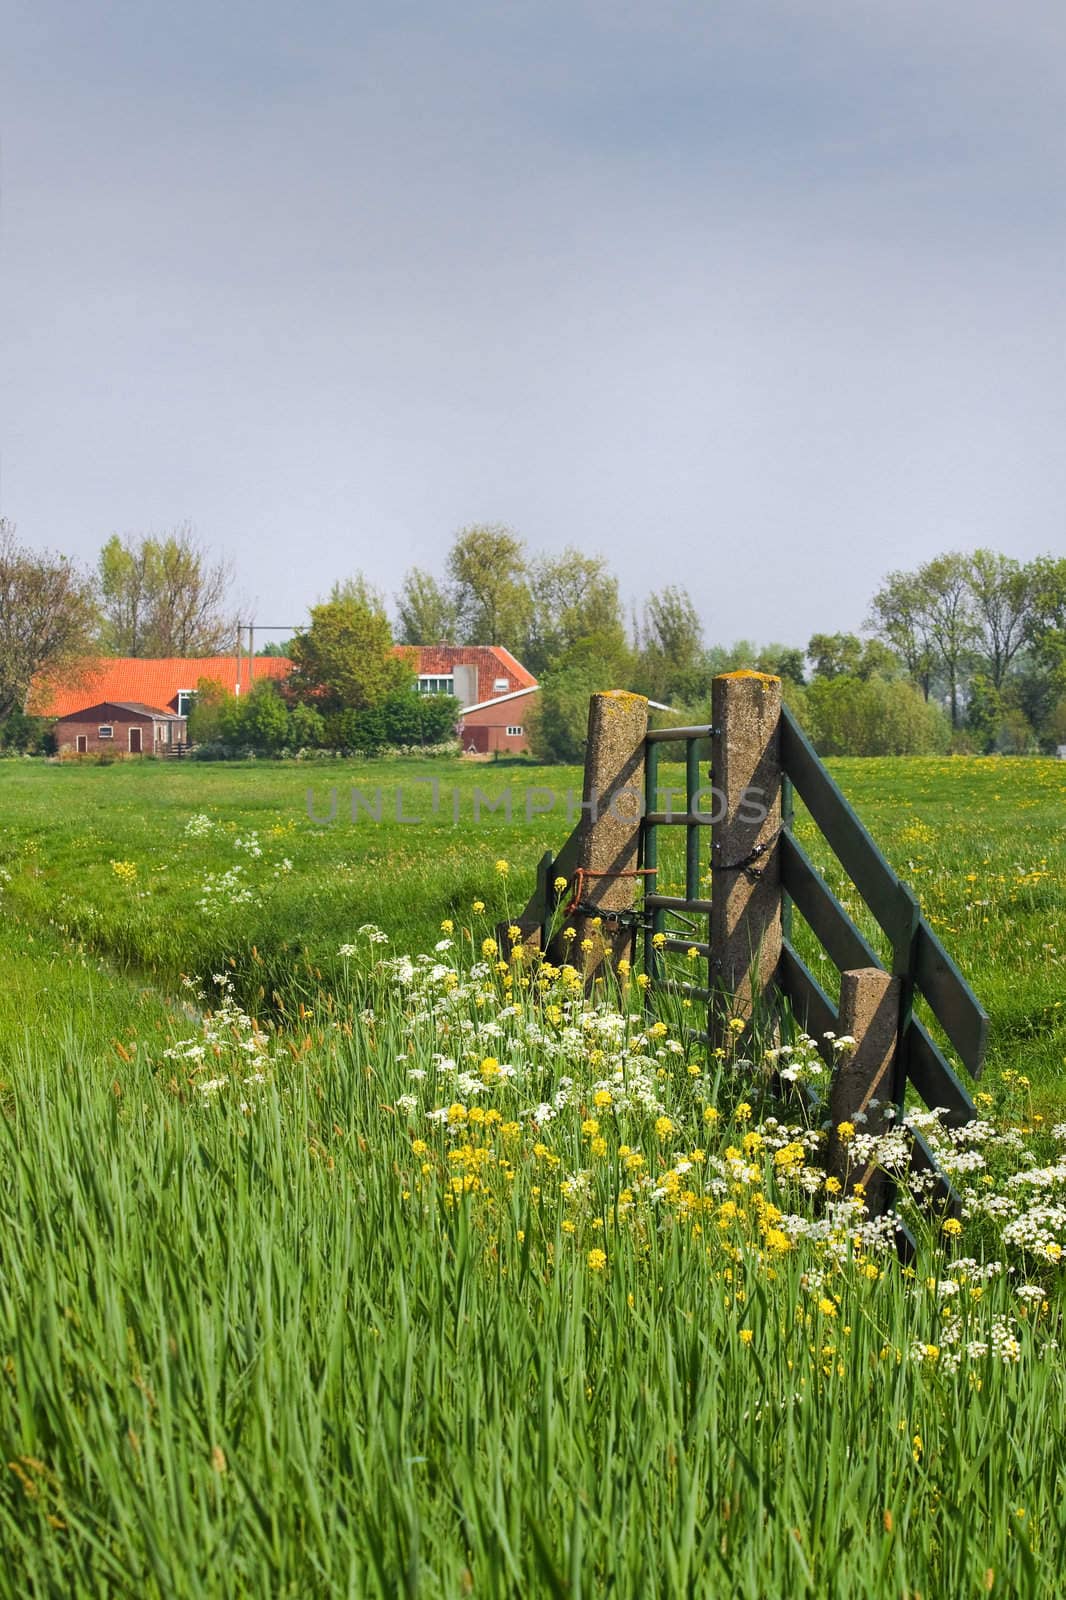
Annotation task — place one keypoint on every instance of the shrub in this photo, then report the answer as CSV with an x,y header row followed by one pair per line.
x,y
849,716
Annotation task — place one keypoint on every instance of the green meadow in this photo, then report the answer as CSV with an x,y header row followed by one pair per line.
x,y
103,881
327,1271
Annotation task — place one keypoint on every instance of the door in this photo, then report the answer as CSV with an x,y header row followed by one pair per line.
x,y
135,741
81,743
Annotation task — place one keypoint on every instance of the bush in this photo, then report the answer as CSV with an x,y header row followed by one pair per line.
x,y
23,735
849,716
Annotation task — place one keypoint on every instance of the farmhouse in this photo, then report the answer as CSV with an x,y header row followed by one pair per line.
x,y
122,727
167,682
497,724
492,687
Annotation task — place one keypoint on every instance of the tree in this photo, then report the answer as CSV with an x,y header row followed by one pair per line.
x,y
163,597
426,611
1003,594
345,659
835,655
47,622
672,661
849,716
573,597
786,662
264,718
984,711
487,568
208,711
558,722
945,583
307,729
900,616
1047,625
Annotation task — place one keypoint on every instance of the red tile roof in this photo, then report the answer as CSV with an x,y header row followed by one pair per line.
x,y
155,682
151,682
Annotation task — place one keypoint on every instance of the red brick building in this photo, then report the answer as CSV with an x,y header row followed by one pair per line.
x,y
471,672
501,723
492,688
122,728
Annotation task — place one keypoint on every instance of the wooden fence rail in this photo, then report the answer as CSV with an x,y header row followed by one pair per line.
x,y
742,931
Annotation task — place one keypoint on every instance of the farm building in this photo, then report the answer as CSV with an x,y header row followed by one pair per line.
x,y
492,688
473,673
166,682
120,727
497,724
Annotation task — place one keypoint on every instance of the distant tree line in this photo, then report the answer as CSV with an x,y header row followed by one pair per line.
x,y
965,652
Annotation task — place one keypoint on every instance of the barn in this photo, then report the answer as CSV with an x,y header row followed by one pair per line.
x,y
119,727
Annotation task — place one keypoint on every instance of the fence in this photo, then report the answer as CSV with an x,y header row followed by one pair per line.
x,y
743,930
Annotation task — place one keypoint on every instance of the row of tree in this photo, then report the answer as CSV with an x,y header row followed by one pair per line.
x,y
148,596
967,649
973,645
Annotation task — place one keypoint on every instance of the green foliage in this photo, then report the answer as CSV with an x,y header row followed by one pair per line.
x,y
426,610
574,599
264,718
47,622
558,721
163,597
344,660
307,728
208,711
490,588
23,735
403,720
836,655
244,1318
873,717
670,646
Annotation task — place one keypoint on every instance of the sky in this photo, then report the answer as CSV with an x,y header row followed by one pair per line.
x,y
766,298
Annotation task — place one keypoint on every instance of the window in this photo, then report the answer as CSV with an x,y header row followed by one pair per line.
x,y
429,683
105,731
515,731
186,700
501,686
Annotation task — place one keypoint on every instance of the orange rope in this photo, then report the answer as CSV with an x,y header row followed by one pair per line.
x,y
586,872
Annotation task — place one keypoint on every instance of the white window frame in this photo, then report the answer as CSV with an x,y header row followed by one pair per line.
x,y
501,686
105,730
515,731
188,695
436,683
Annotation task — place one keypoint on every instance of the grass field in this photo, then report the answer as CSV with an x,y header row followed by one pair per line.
x,y
103,857
356,1275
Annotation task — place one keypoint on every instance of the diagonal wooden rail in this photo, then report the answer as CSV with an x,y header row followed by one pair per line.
x,y
768,882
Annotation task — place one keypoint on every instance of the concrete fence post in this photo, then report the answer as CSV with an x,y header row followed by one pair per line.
x,y
870,1013
609,831
745,805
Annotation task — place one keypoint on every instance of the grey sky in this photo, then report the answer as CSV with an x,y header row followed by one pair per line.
x,y
762,298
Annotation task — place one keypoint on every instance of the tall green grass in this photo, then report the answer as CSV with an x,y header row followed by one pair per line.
x,y
238,1361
